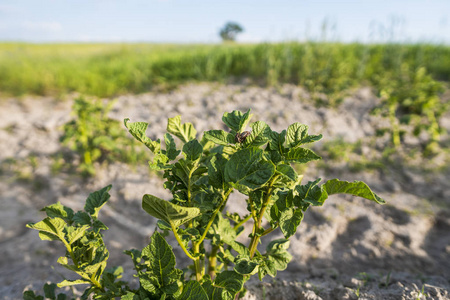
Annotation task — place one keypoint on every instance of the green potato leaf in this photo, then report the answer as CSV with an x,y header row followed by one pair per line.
x,y
76,233
276,258
313,194
247,170
167,211
277,141
225,287
50,228
138,129
283,200
185,132
301,155
193,290
161,264
171,148
245,266
30,295
216,168
287,172
193,150
132,296
236,120
65,283
289,220
297,134
259,136
82,218
276,251
355,188
160,162
96,200
58,210
219,137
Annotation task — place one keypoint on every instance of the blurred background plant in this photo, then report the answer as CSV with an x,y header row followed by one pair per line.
x,y
413,97
95,137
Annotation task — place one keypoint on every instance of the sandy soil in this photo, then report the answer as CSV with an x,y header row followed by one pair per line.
x,y
351,248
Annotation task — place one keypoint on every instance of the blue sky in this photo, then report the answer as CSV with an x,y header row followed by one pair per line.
x,y
198,21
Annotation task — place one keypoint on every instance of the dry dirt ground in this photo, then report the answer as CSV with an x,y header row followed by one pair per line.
x,y
348,248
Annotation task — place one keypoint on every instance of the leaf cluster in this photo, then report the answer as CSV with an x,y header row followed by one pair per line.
x,y
413,98
201,174
86,253
95,137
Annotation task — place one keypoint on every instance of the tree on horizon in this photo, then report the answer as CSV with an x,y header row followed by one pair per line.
x,y
229,31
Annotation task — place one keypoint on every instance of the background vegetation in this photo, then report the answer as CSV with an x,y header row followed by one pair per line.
x,y
409,78
106,70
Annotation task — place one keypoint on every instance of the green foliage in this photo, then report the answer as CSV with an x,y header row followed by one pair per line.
x,y
105,70
96,137
49,293
327,70
201,175
413,98
86,253
230,30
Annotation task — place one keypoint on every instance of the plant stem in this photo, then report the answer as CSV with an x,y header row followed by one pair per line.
x,y
267,231
199,270
180,242
236,227
97,284
255,238
213,262
69,249
394,125
216,211
189,194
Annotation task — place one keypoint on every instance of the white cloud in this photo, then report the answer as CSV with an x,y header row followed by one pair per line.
x,y
42,26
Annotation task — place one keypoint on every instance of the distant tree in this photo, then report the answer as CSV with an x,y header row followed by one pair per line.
x,y
229,31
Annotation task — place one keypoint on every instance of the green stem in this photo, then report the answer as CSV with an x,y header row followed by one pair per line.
x,y
180,242
255,238
199,270
267,231
236,227
97,284
211,220
213,262
394,125
69,249
189,195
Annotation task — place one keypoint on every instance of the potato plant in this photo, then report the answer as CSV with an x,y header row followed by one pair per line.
x,y
95,137
413,98
201,174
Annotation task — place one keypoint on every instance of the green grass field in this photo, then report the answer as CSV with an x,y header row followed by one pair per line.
x,y
106,70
